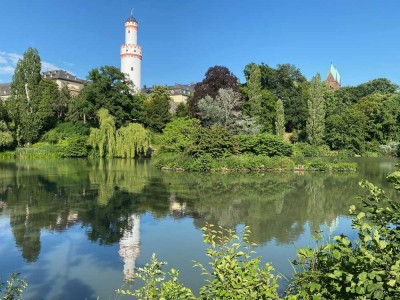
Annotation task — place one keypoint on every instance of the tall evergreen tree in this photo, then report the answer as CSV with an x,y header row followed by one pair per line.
x,y
280,119
254,90
316,112
261,103
157,108
286,83
24,101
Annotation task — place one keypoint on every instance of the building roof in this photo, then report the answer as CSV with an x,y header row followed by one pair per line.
x,y
131,19
61,75
5,89
181,89
335,73
177,89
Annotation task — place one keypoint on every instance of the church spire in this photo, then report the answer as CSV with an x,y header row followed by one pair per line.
x,y
333,78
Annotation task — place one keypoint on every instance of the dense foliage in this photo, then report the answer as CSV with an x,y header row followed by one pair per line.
x,y
264,144
128,142
362,120
179,134
368,268
216,78
107,88
13,288
157,109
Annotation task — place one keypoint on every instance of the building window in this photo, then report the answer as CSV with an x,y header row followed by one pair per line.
x,y
131,68
129,31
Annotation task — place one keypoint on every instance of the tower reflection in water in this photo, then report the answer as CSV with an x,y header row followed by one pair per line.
x,y
129,247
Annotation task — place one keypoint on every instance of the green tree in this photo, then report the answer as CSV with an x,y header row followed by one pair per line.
x,y
370,106
131,141
157,108
6,138
60,106
260,103
182,110
280,119
254,91
388,118
346,130
103,138
350,95
179,134
286,83
107,88
223,110
23,103
48,97
316,112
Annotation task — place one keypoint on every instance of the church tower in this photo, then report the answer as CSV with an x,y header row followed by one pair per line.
x,y
131,54
333,78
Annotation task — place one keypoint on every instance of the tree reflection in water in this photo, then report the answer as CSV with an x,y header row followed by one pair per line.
x,y
107,198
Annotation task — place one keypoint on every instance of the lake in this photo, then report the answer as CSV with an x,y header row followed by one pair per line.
x,y
77,228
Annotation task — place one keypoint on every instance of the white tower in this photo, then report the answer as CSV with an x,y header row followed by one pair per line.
x,y
131,54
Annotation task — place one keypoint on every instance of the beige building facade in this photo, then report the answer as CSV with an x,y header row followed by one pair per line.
x,y
63,78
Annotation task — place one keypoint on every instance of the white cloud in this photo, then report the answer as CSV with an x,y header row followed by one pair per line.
x,y
7,70
49,66
3,61
8,62
68,63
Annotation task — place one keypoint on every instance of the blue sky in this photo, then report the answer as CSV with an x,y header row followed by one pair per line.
x,y
181,39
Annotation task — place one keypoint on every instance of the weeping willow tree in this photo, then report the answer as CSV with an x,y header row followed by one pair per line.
x,y
103,138
131,141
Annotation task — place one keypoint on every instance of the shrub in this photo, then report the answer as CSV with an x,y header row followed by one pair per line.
x,y
390,149
179,134
317,165
308,150
74,146
216,141
65,130
323,165
155,286
235,273
264,144
13,288
205,163
368,268
6,138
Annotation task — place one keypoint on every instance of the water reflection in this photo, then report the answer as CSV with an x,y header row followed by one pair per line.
x,y
129,247
108,199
